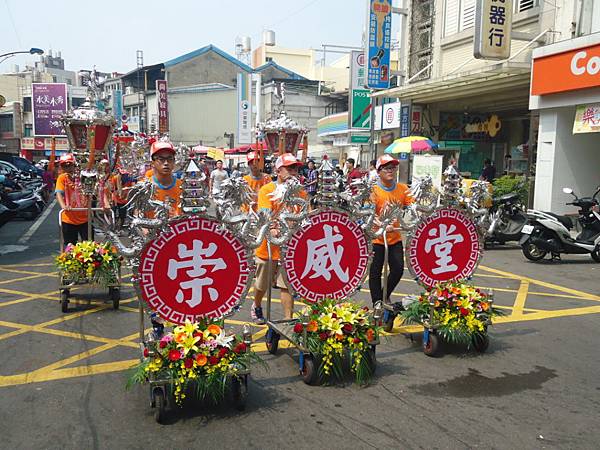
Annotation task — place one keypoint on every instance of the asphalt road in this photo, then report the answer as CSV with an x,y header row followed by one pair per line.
x,y
62,377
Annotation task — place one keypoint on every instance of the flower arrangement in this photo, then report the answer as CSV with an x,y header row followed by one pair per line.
x,y
460,311
89,260
202,352
333,330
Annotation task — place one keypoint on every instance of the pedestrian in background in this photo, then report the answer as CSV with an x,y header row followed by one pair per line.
x,y
373,175
217,177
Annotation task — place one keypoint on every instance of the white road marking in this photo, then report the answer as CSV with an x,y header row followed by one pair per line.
x,y
5,249
40,220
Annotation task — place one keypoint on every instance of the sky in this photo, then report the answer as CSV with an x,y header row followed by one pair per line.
x,y
107,33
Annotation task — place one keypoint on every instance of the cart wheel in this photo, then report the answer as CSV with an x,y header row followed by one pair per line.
x,y
432,346
160,405
309,371
115,296
239,390
64,301
481,342
388,321
272,341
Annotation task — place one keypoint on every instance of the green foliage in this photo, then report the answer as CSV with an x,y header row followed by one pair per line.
x,y
509,184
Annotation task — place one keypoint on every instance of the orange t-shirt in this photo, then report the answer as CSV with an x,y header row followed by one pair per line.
x,y
149,173
264,202
115,189
256,184
381,197
74,198
173,191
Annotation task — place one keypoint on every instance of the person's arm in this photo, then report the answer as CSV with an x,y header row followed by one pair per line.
x,y
60,194
210,183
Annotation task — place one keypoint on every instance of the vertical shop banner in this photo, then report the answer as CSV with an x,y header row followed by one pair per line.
x,y
117,106
360,101
379,22
404,120
493,27
163,106
244,90
49,103
587,119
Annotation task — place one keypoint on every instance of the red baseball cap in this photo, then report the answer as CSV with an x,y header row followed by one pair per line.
x,y
286,160
67,158
157,146
251,156
386,159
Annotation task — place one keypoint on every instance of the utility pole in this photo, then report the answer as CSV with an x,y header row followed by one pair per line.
x,y
139,55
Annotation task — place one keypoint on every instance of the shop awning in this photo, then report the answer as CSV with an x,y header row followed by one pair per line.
x,y
493,79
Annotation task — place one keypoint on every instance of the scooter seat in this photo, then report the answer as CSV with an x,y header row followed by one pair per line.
x,y
506,198
566,221
18,195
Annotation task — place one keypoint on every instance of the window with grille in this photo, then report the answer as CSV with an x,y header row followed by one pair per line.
x,y
459,15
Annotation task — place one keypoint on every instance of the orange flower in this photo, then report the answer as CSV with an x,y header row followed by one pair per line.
x,y
340,337
214,329
437,303
485,306
201,359
455,290
179,338
312,326
370,335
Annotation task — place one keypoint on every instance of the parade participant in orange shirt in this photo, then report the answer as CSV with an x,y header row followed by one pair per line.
x,y
121,184
286,167
104,184
387,191
70,197
163,163
256,179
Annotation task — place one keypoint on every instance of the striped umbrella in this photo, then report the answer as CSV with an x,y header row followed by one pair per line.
x,y
411,144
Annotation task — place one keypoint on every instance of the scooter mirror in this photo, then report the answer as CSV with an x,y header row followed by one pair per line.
x,y
567,190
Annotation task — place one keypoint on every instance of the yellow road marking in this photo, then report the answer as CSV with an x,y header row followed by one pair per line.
x,y
3,266
521,297
27,272
555,287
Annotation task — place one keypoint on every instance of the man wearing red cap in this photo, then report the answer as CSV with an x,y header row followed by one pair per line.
x,y
286,167
256,179
163,163
69,197
387,191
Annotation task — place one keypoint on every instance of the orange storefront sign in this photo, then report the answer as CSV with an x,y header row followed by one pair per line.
x,y
567,71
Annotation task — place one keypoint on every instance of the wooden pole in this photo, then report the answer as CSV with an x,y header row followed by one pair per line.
x,y
281,143
52,154
305,149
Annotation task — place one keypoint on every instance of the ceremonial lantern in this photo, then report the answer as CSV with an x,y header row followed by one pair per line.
x,y
282,135
89,131
194,195
326,192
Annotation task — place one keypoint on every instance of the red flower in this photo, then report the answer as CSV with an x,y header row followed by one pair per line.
x,y
464,312
162,344
298,328
213,360
334,316
174,355
96,264
315,311
188,363
240,348
445,293
324,335
146,352
223,352
365,308
356,340
348,327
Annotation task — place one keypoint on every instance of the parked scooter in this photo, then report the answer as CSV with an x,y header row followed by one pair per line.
x,y
507,220
6,214
547,232
23,203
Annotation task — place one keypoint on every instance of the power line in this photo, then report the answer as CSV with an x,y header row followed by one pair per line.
x,y
13,23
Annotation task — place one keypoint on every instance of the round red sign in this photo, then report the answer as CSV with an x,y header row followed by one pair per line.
x,y
445,247
327,258
195,270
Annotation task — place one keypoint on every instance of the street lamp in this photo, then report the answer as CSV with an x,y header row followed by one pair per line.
x,y
31,51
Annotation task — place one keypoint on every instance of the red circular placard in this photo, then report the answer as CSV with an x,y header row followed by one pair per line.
x,y
445,247
327,258
195,270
